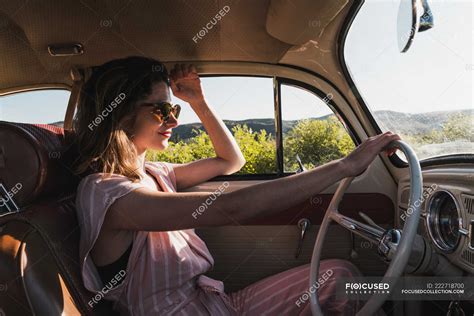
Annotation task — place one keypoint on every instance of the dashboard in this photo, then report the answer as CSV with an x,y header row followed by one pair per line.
x,y
447,212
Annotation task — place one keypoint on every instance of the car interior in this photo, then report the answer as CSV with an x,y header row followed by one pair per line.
x,y
53,45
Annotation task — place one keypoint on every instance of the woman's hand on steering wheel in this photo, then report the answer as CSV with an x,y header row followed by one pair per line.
x,y
361,157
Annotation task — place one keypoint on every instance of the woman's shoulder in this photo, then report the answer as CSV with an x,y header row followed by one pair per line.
x,y
103,179
99,176
105,184
96,192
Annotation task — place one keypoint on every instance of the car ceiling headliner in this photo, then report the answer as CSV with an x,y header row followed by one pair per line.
x,y
164,30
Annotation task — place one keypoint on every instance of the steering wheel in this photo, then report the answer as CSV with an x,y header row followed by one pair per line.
x,y
394,245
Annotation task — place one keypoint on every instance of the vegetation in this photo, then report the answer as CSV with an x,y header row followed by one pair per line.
x,y
315,141
455,135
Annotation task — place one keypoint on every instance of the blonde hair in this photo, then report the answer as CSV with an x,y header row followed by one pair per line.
x,y
106,113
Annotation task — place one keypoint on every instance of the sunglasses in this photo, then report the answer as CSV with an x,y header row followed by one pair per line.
x,y
163,110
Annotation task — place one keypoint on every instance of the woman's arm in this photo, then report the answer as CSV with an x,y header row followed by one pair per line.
x,y
186,85
149,210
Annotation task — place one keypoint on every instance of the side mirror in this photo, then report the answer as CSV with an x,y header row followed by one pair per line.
x,y
426,20
411,20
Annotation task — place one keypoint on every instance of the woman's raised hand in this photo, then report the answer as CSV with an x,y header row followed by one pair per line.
x,y
185,83
361,157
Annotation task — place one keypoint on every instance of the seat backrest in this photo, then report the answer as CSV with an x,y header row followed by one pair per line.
x,y
39,232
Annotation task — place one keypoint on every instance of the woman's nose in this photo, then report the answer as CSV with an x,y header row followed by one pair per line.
x,y
172,121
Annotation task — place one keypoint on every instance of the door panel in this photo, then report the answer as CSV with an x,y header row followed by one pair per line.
x,y
261,247
377,206
264,246
246,254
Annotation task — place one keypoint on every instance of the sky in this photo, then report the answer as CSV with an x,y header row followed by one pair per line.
x,y
436,73
234,98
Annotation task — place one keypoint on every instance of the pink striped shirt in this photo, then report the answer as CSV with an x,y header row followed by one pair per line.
x,y
165,270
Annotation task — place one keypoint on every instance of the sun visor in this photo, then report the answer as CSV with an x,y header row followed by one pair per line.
x,y
298,21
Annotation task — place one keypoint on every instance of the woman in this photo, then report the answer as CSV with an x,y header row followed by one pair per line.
x,y
138,247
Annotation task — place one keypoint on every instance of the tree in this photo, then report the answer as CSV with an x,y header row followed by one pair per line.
x,y
183,151
316,142
258,149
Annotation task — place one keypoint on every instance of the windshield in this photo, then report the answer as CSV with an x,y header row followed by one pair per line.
x,y
425,94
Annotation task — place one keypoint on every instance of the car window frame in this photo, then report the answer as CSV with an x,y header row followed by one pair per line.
x,y
330,104
252,176
278,81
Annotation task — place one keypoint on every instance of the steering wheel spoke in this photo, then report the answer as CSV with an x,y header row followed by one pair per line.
x,y
368,232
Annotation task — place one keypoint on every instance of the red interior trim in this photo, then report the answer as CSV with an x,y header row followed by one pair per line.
x,y
378,206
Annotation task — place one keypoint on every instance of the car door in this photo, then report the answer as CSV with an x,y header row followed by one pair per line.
x,y
278,122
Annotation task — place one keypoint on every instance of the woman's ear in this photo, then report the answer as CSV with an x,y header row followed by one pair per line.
x,y
127,124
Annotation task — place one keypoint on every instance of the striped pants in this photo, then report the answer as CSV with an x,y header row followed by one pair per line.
x,y
284,293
